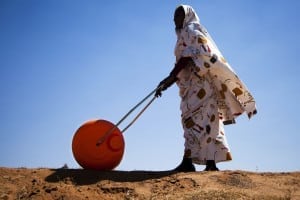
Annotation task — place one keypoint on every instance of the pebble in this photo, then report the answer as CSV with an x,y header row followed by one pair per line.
x,y
4,197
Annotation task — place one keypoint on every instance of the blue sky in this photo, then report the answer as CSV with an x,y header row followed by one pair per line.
x,y
65,62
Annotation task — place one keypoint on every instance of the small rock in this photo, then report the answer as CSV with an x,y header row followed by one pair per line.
x,y
50,189
173,181
4,197
65,166
35,192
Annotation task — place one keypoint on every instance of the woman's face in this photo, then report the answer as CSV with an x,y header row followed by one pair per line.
x,y
179,17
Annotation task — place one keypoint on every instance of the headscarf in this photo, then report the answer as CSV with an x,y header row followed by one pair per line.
x,y
194,41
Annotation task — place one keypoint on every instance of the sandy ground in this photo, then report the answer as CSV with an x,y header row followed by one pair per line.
x,y
73,184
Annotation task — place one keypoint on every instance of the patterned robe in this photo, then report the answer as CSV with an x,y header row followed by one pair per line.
x,y
211,93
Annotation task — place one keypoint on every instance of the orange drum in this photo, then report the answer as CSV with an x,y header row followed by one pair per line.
x,y
107,154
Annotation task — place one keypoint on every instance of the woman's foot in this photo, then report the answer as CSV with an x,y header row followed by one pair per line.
x,y
211,166
185,166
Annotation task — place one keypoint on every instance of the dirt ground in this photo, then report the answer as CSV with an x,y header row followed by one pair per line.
x,y
73,184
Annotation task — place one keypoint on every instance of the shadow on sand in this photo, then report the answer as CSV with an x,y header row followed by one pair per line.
x,y
86,177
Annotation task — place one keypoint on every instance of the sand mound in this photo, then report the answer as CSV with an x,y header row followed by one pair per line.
x,y
73,184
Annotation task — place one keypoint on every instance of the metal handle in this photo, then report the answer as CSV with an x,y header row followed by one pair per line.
x,y
103,138
138,115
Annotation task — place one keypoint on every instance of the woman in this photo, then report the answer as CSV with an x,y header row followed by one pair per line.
x,y
211,93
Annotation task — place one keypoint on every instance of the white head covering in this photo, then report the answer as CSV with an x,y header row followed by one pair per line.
x,y
194,41
190,16
191,28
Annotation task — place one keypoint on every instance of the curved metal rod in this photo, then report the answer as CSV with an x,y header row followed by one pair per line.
x,y
137,105
138,115
103,138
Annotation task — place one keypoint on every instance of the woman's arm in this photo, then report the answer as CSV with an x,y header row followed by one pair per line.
x,y
172,78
